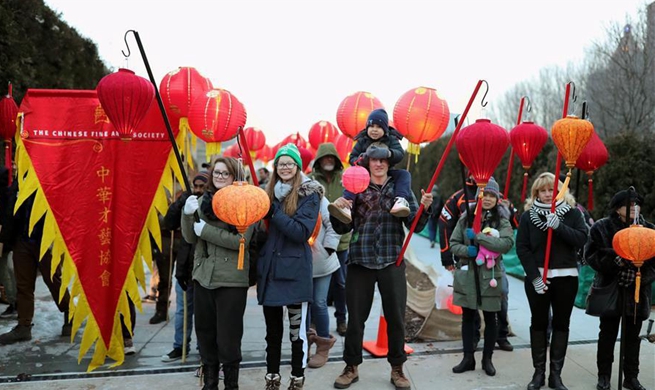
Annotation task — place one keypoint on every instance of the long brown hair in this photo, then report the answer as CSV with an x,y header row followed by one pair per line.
x,y
290,203
232,166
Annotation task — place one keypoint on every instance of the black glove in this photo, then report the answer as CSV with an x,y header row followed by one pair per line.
x,y
182,281
329,251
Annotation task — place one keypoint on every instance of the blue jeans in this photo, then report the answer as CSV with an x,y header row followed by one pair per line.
x,y
319,315
179,315
338,288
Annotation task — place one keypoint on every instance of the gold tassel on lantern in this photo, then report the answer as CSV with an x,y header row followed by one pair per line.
x,y
242,250
565,186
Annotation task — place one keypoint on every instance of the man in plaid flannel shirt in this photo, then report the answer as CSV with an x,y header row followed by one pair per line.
x,y
376,241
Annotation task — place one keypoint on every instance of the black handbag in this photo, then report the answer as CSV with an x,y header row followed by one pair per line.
x,y
604,301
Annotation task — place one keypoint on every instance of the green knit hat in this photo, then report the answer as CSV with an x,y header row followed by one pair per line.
x,y
290,150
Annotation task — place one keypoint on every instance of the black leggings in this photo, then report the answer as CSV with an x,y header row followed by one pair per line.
x,y
469,330
560,296
297,335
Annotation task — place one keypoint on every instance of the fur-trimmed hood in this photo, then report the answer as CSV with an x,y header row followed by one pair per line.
x,y
309,187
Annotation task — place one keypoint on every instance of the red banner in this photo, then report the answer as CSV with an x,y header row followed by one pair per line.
x,y
98,194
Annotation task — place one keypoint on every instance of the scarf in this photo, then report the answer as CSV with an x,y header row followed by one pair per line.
x,y
282,190
539,210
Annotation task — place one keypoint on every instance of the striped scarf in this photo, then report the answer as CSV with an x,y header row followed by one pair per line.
x,y
539,210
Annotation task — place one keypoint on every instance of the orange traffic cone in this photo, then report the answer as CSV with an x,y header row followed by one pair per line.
x,y
380,347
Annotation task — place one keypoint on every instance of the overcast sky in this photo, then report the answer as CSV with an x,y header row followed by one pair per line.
x,y
292,62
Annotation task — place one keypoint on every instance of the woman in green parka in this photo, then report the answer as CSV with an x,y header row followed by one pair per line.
x,y
476,283
220,288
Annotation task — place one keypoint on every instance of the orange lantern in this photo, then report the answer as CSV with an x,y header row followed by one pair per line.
x,y
353,112
421,116
216,117
636,244
126,98
321,132
241,205
593,156
571,135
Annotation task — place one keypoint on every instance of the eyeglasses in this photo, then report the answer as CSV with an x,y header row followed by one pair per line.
x,y
286,165
223,175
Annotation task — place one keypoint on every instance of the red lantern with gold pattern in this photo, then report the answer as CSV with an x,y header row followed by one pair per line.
x,y
421,115
216,117
295,139
179,88
527,141
241,204
593,156
255,137
344,146
481,146
321,132
353,112
636,244
126,98
571,135
8,113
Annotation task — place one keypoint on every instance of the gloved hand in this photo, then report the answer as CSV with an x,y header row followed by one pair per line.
x,y
472,251
374,151
539,286
198,226
191,205
627,276
552,221
470,234
182,281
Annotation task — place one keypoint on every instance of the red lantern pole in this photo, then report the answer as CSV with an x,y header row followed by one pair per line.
x,y
556,184
437,172
246,153
511,151
160,102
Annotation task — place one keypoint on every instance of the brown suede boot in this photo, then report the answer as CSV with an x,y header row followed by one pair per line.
x,y
323,346
398,378
347,377
17,334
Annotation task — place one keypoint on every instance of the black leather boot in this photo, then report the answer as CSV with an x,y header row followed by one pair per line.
x,y
467,363
603,382
487,365
538,347
210,377
558,344
231,377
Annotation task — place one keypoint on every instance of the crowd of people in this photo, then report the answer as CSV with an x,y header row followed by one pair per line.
x,y
320,242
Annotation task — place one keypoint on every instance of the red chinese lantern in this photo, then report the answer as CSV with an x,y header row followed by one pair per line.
x,y
232,151
527,141
321,132
126,98
356,179
344,146
421,116
178,89
8,113
636,244
571,135
255,137
481,146
241,205
353,112
593,156
295,139
264,154
216,117
306,156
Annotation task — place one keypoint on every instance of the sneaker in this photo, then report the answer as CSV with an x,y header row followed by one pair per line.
x,y
175,354
342,215
158,318
128,347
18,333
505,345
398,378
347,377
10,313
342,327
400,209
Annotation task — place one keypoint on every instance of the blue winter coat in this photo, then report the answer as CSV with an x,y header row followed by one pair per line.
x,y
284,268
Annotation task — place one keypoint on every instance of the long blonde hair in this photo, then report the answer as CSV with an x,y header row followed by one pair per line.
x,y
290,203
542,181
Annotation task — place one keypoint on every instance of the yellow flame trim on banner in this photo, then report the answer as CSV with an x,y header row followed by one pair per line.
x,y
52,239
186,140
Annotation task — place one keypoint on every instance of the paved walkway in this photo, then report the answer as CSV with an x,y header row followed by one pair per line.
x,y
49,357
